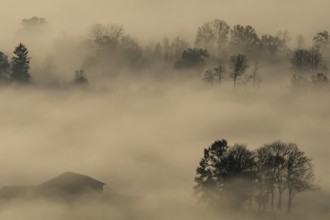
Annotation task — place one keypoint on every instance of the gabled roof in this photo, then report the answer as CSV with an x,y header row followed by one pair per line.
x,y
69,178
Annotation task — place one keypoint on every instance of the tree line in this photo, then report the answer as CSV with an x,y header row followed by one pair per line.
x,y
17,70
219,52
236,177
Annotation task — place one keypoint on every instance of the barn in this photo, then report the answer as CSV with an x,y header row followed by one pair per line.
x,y
70,183
65,185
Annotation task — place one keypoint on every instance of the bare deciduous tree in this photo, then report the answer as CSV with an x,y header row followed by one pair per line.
x,y
238,66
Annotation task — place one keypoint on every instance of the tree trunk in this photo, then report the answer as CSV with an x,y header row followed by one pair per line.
x,y
272,198
279,200
290,197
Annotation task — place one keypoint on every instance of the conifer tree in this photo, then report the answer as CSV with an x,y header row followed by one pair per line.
x,y
20,64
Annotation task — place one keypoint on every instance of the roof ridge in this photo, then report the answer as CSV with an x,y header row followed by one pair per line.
x,y
71,173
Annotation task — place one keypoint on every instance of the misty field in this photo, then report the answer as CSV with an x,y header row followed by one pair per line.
x,y
145,141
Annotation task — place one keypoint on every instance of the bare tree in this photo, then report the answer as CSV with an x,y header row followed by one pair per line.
x,y
254,76
300,60
321,41
244,40
315,59
271,45
209,76
284,36
282,167
219,72
272,159
238,66
299,170
213,36
109,34
213,74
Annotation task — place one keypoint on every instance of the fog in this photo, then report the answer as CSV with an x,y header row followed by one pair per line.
x,y
143,131
146,140
151,20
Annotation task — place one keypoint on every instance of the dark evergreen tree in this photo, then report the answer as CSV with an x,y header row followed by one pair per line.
x,y
209,179
4,66
225,175
20,65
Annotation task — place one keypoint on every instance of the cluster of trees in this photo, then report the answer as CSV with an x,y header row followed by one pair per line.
x,y
18,69
115,49
215,41
221,40
309,65
226,45
238,66
219,51
235,177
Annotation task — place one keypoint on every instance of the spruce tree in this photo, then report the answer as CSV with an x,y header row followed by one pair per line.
x,y
20,64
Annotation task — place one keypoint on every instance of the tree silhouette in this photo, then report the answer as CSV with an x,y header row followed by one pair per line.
x,y
244,39
320,80
254,76
225,174
80,78
209,181
34,24
271,163
300,60
282,167
233,176
192,58
219,72
271,45
213,36
20,65
209,76
321,41
106,35
4,66
239,173
299,173
213,74
238,66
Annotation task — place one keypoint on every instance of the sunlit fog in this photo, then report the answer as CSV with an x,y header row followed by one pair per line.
x,y
141,109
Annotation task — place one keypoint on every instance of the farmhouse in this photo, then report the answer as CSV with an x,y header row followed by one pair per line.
x,y
72,183
66,184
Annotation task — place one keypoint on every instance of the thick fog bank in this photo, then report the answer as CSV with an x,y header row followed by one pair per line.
x,y
146,140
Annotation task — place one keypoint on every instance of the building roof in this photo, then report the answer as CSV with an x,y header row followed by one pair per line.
x,y
69,178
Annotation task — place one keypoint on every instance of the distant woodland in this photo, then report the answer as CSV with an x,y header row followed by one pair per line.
x,y
220,53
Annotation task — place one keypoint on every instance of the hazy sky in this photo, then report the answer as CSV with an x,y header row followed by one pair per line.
x,y
153,19
146,137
